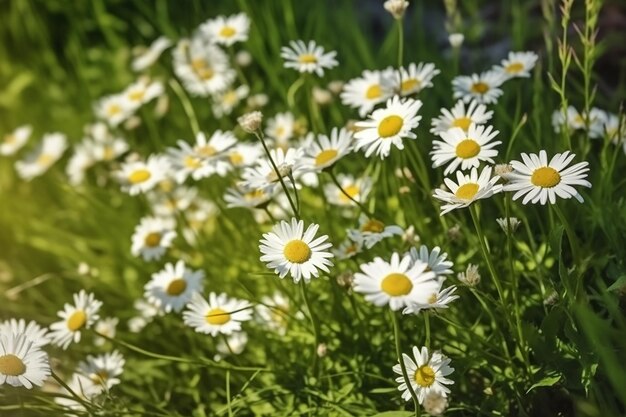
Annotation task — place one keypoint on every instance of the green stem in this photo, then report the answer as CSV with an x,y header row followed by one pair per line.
x,y
314,322
336,182
230,409
400,50
405,374
427,329
187,107
291,93
78,398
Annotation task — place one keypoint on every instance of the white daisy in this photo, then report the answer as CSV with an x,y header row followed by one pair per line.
x,y
14,141
142,91
415,78
22,363
227,30
225,101
467,189
438,299
461,117
368,90
614,127
105,146
107,327
435,260
274,312
248,197
148,57
173,287
232,344
171,203
290,249
540,181
74,318
387,126
308,58
263,176
372,231
464,149
348,248
103,370
151,238
41,159
35,334
326,151
396,282
518,64
81,160
204,158
426,373
280,128
139,176
113,109
357,189
244,154
219,314
147,312
484,87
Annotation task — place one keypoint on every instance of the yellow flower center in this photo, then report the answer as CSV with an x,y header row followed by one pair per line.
x,y
424,376
307,59
390,126
297,252
206,151
253,195
230,98
396,284
236,158
9,139
352,190
467,148
432,299
99,377
462,122
467,191
373,226
11,365
138,176
514,67
410,84
227,32
192,162
201,68
113,109
373,92
137,95
152,239
479,88
77,320
108,153
546,177
325,156
217,317
44,159
176,287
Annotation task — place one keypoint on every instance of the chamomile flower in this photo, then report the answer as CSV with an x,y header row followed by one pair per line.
x,y
348,248
614,128
388,126
518,64
308,57
113,109
288,248
173,287
14,141
171,203
273,311
438,299
248,197
152,237
138,177
81,160
147,312
464,149
415,78
50,150
204,158
461,117
142,91
103,370
396,282
219,314
22,363
357,189
484,87
540,181
227,30
467,189
435,260
35,334
106,327
263,176
104,145
244,154
426,372
232,344
280,128
327,150
224,102
149,56
74,318
368,90
372,231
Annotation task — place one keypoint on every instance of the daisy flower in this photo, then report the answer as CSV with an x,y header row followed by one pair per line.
x,y
484,87
41,159
263,176
387,126
142,91
517,64
464,149
274,312
106,327
508,225
204,158
103,370
244,154
372,231
396,282
614,127
438,299
81,160
147,312
467,189
14,141
35,334
113,109
104,146
368,90
427,373
149,56
227,30
435,260
248,197
461,117
327,150
308,58
540,181
357,189
281,128
225,101
348,248
74,318
232,344
290,249
140,176
151,238
22,363
173,287
415,78
219,314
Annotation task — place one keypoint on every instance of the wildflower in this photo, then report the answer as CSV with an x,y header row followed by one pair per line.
x,y
368,90
232,344
281,128
372,231
540,181
484,88
256,101
219,315
263,176
396,7
106,327
290,249
139,176
308,58
248,197
243,58
437,299
152,237
33,332
321,96
41,159
456,39
227,30
426,372
502,170
435,404
22,363
244,154
509,225
326,151
435,260
467,189
518,64
470,277
415,78
461,117
14,141
74,318
250,122
224,102
102,370
173,287
142,92
357,189
205,158
149,56
274,312
113,109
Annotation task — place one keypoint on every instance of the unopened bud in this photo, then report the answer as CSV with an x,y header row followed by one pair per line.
x,y
251,122
470,277
396,7
456,39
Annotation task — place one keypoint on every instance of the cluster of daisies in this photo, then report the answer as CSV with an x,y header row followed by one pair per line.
x,y
598,124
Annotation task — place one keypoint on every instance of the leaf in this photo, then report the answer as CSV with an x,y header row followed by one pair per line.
x,y
545,382
618,284
383,390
